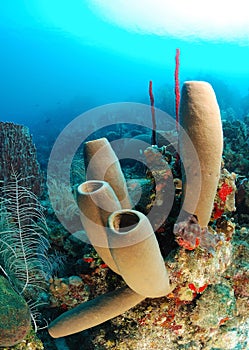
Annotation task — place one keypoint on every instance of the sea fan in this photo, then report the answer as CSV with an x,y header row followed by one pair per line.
x,y
23,242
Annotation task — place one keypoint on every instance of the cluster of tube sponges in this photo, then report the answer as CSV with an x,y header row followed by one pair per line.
x,y
124,237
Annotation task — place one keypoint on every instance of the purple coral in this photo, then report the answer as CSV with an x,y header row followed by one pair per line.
x,y
189,234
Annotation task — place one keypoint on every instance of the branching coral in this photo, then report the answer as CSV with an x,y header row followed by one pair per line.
x,y
23,242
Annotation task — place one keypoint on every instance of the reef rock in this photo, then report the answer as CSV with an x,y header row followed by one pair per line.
x,y
14,315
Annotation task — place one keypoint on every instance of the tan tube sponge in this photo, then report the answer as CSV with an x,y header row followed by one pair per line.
x,y
136,253
103,164
201,122
96,201
94,312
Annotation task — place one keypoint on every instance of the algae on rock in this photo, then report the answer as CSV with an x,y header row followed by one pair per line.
x,y
15,320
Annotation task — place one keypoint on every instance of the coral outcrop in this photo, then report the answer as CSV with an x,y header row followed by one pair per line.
x,y
15,321
18,154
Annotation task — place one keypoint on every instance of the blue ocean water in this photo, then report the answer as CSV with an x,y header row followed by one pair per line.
x,y
60,58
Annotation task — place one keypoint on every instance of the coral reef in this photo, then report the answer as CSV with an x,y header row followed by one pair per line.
x,y
67,293
236,138
208,308
225,197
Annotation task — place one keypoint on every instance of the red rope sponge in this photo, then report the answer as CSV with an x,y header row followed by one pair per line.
x,y
177,87
152,104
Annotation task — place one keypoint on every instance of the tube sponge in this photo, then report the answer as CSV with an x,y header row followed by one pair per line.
x,y
201,122
103,164
94,312
96,201
136,253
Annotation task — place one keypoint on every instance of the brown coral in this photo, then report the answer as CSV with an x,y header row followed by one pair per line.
x,y
18,154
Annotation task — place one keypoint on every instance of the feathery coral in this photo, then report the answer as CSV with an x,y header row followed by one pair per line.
x,y
23,244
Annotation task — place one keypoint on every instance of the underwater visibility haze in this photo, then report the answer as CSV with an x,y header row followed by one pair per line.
x,y
129,119
59,59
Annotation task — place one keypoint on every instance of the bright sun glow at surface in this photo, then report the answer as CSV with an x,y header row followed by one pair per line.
x,y
212,19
